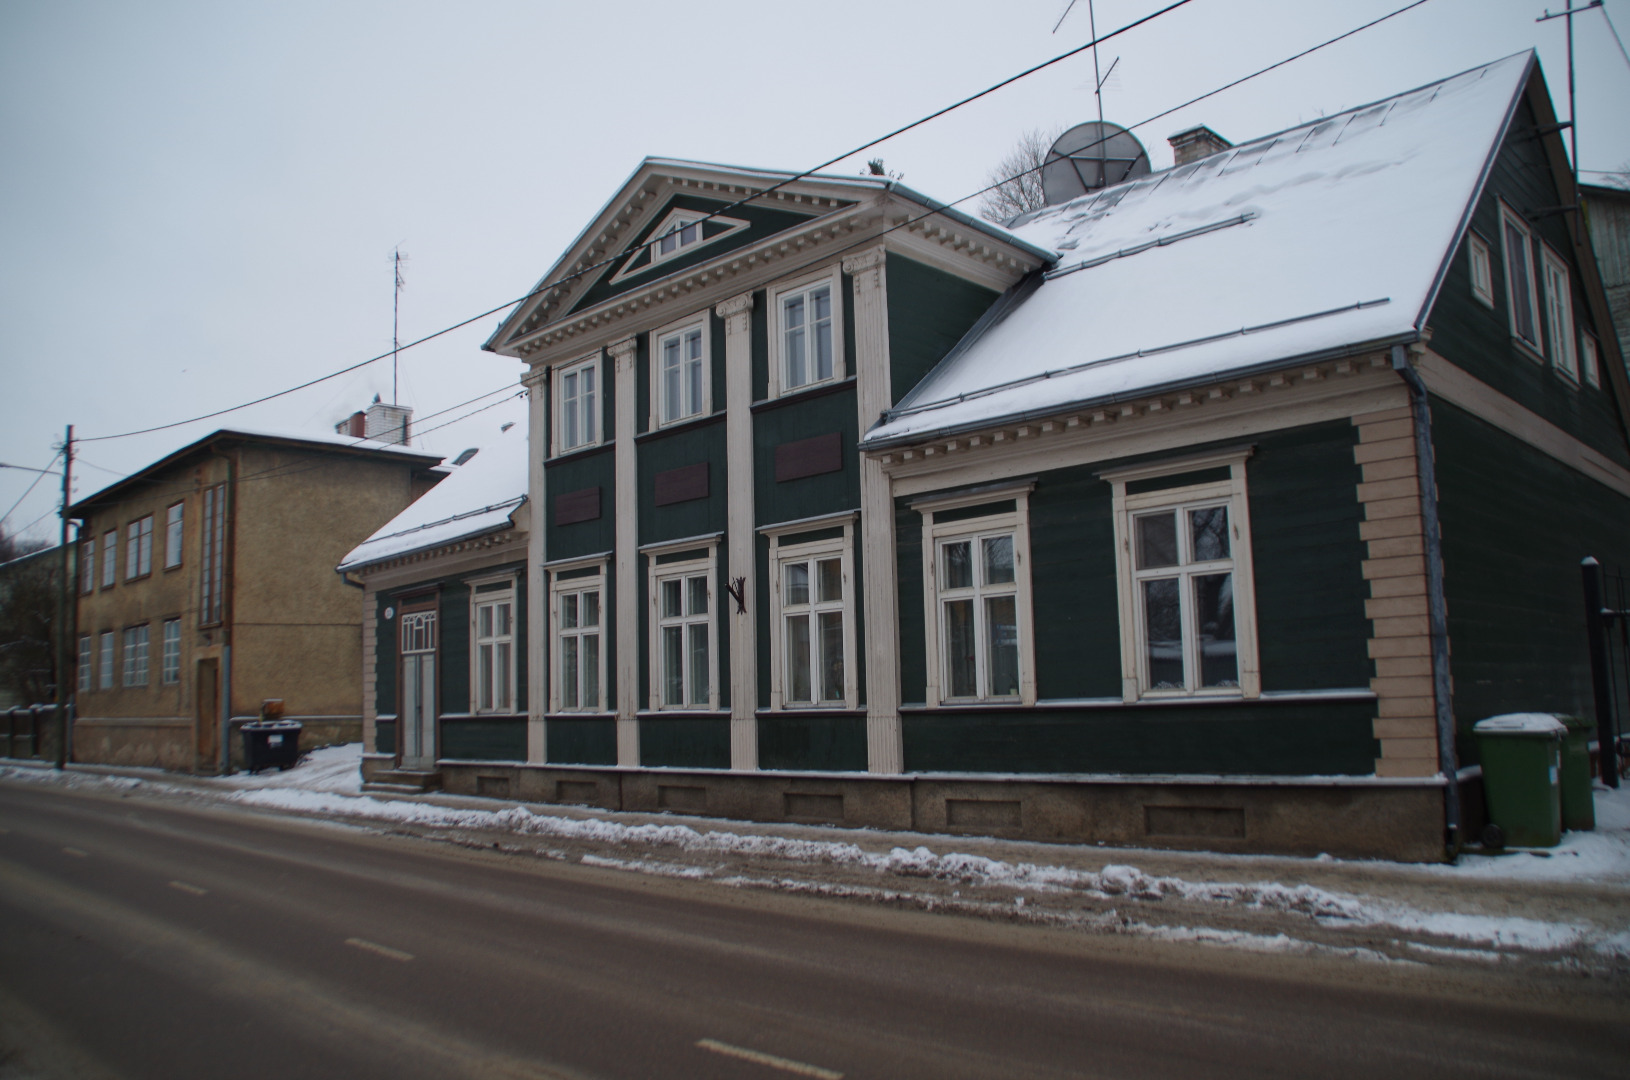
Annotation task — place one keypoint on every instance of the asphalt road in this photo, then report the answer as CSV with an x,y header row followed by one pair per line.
x,y
139,939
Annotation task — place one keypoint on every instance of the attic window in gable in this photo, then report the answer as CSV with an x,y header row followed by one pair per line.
x,y
681,232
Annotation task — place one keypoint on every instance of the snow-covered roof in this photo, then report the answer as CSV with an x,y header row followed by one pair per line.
x,y
317,440
479,497
1328,236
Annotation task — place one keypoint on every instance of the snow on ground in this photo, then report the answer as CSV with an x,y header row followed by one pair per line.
x,y
326,783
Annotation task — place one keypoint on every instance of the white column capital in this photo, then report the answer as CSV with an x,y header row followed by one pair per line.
x,y
535,376
859,263
622,353
736,313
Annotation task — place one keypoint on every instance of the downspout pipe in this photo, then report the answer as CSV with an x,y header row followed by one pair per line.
x,y
228,569
1437,609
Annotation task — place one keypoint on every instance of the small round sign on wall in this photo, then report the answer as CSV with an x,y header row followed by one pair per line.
x,y
390,613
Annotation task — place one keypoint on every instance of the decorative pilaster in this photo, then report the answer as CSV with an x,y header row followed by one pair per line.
x,y
737,313
1400,641
885,752
536,380
623,355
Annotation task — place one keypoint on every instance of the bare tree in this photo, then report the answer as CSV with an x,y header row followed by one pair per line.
x,y
1017,177
28,612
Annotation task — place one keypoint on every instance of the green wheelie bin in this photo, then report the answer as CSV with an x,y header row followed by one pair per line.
x,y
1522,765
1578,805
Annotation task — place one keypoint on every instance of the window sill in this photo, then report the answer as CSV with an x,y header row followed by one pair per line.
x,y
579,452
679,425
804,394
808,711
580,716
683,714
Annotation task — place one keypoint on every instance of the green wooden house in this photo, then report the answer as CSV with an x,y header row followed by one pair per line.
x,y
1106,525
445,673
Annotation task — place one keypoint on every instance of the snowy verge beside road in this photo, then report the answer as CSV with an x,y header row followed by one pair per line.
x,y
1570,907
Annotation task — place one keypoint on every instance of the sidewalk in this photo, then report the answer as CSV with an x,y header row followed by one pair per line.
x,y
1568,908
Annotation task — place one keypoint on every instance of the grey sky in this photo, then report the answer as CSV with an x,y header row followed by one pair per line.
x,y
200,199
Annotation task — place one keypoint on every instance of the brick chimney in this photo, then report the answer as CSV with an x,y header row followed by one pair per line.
x,y
1196,143
355,425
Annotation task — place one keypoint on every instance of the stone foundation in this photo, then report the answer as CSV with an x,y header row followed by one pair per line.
x,y
1397,820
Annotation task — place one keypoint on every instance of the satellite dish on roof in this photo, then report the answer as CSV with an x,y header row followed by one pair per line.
x,y
1089,157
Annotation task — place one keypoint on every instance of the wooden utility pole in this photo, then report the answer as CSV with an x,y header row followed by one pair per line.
x,y
65,630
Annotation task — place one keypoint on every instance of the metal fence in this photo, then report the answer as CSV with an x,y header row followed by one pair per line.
x,y
1607,626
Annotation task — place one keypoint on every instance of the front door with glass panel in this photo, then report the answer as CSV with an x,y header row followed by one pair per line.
x,y
416,746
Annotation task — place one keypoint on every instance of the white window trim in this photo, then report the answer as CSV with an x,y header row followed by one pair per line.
x,y
104,661
504,594
1134,679
727,226
1478,255
1016,521
655,575
557,589
842,546
1508,215
558,395
169,674
175,524
1560,332
830,276
658,336
1590,358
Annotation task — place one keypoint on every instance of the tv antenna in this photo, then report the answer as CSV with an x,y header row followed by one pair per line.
x,y
397,258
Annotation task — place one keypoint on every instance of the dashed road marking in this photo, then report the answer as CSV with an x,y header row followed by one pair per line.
x,y
184,887
758,1057
381,950
75,852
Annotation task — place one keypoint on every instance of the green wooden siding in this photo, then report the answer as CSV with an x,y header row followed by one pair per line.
x,y
484,738
1516,524
588,741
1312,631
687,444
762,221
812,743
1478,339
453,649
1259,739
592,468
385,652
803,417
685,742
929,311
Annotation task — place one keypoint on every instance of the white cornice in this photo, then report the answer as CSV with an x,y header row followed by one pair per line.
x,y
471,548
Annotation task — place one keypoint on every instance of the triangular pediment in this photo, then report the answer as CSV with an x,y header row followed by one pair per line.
x,y
671,217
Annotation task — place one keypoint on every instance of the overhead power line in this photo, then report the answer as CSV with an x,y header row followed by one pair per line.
x,y
43,473
862,148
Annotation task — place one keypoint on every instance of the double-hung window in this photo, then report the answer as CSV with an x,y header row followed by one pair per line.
x,y
84,665
110,558
1481,269
170,665
976,579
135,648
1519,278
1559,315
212,578
139,548
680,372
1183,571
104,661
494,639
807,335
87,565
684,644
812,618
577,417
172,536
578,658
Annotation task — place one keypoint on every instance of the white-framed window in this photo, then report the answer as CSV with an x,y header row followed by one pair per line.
x,y
684,640
135,647
1590,359
110,558
1559,314
1481,269
139,547
806,334
87,564
1518,244
212,547
577,405
680,230
812,616
170,664
104,664
172,536
1184,578
976,597
578,658
83,668
492,637
680,382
